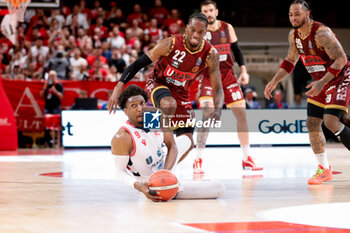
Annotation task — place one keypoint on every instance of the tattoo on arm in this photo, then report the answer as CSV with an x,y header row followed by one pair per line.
x,y
326,39
215,77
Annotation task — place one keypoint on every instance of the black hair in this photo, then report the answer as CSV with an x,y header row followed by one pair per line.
x,y
303,3
130,91
208,2
199,16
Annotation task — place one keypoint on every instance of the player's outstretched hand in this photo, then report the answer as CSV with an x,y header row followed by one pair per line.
x,y
144,188
269,89
112,104
316,88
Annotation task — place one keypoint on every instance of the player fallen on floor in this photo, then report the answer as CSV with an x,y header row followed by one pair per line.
x,y
139,152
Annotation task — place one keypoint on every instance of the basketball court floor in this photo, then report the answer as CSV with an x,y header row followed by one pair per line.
x,y
75,191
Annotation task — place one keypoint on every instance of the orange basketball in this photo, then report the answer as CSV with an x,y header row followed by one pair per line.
x,y
164,182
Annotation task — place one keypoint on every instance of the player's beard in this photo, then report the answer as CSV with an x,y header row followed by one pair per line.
x,y
303,22
211,20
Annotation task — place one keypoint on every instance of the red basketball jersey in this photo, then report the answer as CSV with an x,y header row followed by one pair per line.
x,y
180,67
315,59
220,39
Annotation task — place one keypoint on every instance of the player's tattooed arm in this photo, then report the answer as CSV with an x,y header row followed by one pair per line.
x,y
326,40
215,78
162,48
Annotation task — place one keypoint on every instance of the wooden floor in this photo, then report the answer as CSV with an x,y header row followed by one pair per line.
x,y
35,198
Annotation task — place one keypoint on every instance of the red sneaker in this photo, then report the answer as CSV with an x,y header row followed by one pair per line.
x,y
250,165
197,166
321,175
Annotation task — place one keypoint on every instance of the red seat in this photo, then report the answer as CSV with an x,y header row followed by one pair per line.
x,y
53,122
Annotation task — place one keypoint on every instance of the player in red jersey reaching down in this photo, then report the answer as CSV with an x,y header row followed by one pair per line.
x,y
178,59
328,98
223,37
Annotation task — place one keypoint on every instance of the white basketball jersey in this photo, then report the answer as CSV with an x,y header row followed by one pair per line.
x,y
148,155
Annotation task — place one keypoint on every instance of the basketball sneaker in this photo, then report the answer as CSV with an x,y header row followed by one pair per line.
x,y
197,166
249,164
321,175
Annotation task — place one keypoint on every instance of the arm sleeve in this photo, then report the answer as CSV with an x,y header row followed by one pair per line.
x,y
121,161
130,72
237,53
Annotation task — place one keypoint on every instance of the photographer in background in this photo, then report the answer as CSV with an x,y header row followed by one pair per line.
x,y
53,93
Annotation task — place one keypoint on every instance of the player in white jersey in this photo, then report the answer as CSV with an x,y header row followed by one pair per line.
x,y
139,152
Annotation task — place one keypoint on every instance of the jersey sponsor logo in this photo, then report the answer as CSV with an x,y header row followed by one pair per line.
x,y
313,64
222,49
314,69
311,60
177,74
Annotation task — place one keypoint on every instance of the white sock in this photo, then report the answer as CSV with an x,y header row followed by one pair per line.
x,y
322,160
245,150
199,152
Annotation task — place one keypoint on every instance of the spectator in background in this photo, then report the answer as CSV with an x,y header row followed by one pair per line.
x,y
159,12
78,64
39,48
116,39
56,14
60,64
118,19
117,62
53,94
97,72
136,14
83,94
250,99
82,39
99,24
174,24
153,31
97,53
81,19
125,55
85,11
134,32
106,52
277,101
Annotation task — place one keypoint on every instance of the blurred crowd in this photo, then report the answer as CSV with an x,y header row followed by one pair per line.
x,y
82,43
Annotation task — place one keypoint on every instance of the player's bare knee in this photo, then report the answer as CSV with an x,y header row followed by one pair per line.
x,y
313,124
331,122
168,105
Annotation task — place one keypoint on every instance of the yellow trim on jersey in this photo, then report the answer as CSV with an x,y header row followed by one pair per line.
x,y
335,106
309,32
198,51
314,102
219,21
205,98
234,103
172,46
154,90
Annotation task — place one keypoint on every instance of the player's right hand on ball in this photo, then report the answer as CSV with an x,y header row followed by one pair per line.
x,y
144,188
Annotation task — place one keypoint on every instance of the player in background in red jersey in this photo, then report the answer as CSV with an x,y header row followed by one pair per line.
x,y
223,37
328,98
178,59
